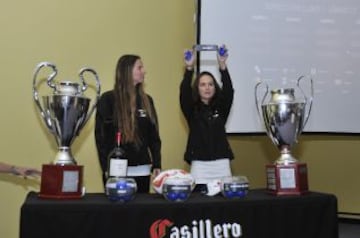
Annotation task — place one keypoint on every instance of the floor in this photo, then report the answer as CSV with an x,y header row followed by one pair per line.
x,y
349,230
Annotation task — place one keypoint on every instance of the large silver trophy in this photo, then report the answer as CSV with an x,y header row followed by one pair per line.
x,y
65,112
284,118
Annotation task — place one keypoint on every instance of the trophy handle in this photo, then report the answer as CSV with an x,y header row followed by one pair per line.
x,y
307,100
263,99
85,86
50,78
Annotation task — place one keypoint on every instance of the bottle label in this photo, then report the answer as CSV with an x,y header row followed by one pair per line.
x,y
118,167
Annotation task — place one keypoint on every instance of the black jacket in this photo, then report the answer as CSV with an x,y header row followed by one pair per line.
x,y
106,128
207,136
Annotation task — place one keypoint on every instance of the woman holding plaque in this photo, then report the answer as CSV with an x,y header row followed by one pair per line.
x,y
129,110
206,107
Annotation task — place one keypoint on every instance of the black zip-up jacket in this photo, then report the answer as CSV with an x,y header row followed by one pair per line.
x,y
106,128
207,136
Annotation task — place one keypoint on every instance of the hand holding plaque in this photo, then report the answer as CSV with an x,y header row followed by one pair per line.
x,y
284,119
65,112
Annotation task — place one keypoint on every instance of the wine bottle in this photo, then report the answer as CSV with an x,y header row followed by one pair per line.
x,y
118,187
117,161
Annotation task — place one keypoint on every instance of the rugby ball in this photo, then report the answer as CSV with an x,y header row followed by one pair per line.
x,y
159,180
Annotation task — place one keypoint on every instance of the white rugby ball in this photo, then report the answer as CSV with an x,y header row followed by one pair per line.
x,y
159,180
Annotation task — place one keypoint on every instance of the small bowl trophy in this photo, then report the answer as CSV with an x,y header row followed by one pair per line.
x,y
65,112
234,187
120,189
284,119
177,189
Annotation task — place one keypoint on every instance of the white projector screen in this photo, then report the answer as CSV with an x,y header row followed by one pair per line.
x,y
278,41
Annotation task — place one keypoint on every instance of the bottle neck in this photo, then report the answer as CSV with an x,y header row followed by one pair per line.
x,y
118,139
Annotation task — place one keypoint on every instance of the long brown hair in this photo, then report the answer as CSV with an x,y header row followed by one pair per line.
x,y
125,99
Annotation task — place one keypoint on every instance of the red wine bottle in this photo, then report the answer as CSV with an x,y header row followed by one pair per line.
x,y
117,161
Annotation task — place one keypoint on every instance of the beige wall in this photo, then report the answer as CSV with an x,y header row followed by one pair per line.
x,y
73,34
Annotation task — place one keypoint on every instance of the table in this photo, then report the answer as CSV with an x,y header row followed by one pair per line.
x,y
313,215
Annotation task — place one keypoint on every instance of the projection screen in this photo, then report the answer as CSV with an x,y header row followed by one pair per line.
x,y
276,42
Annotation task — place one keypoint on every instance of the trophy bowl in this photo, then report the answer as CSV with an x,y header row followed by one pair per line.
x,y
234,187
176,189
283,117
120,189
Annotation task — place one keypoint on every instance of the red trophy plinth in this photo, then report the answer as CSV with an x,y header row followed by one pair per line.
x,y
288,179
61,181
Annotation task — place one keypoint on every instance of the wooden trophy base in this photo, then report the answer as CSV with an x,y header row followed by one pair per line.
x,y
61,182
287,179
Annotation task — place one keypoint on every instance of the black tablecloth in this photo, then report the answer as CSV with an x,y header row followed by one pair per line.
x,y
313,215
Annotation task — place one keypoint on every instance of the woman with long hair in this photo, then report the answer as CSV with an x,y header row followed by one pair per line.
x,y
129,110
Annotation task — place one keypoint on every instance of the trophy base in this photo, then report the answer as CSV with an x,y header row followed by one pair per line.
x,y
288,179
61,182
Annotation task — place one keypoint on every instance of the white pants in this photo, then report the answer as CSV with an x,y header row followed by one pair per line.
x,y
140,170
207,171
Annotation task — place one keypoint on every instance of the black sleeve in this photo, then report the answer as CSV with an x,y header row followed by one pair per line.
x,y
186,99
227,93
155,141
104,133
